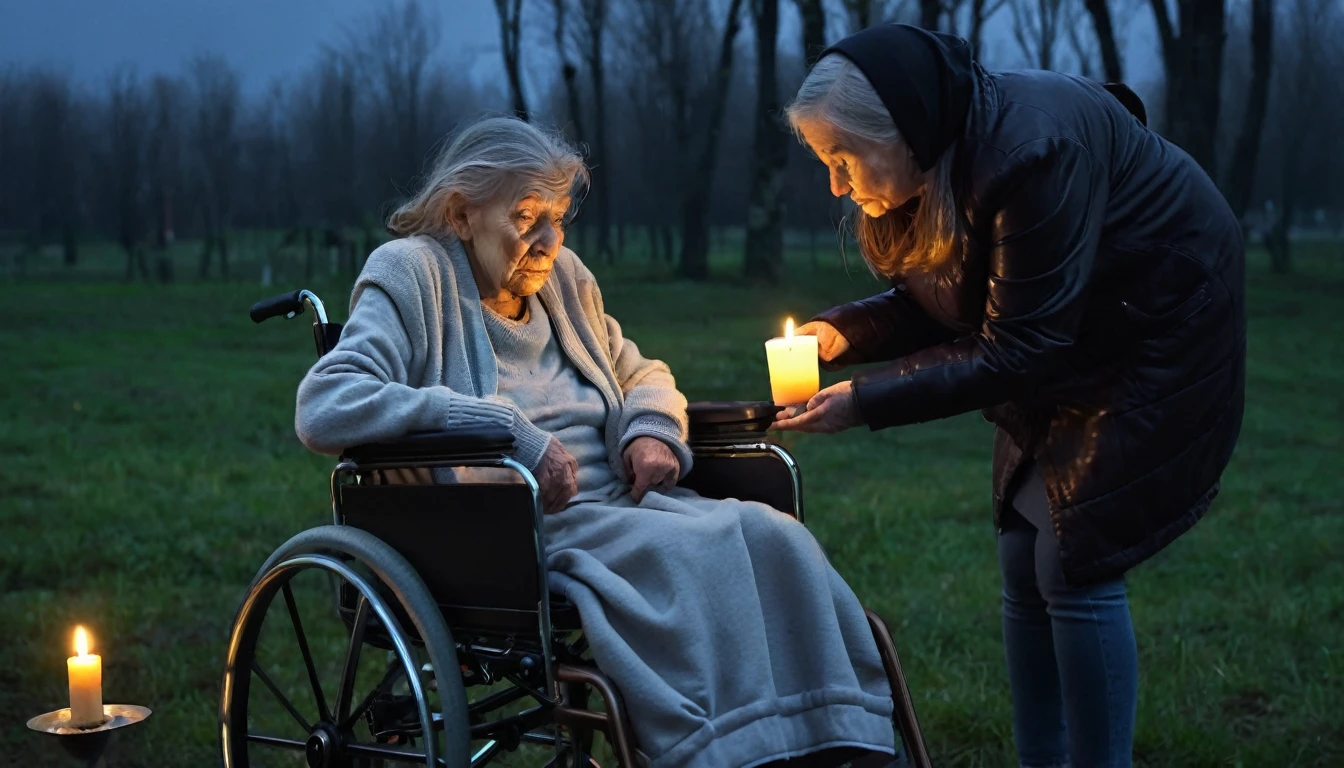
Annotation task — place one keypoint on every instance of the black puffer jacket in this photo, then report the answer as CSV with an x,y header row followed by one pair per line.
x,y
1098,320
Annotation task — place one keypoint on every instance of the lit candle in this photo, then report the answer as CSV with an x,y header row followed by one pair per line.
x,y
86,683
794,378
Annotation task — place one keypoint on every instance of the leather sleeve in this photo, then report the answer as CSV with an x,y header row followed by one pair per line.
x,y
883,327
1047,200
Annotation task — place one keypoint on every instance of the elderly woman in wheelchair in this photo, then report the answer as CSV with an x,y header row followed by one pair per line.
x,y
714,629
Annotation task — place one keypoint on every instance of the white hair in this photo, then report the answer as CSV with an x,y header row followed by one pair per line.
x,y
836,93
482,161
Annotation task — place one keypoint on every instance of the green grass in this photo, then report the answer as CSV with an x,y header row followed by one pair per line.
x,y
151,466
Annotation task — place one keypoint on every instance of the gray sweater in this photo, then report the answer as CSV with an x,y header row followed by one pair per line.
x,y
537,377
415,355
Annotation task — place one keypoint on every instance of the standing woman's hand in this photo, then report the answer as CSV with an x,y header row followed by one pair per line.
x,y
833,409
831,344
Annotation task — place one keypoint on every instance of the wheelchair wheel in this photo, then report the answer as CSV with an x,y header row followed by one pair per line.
x,y
407,715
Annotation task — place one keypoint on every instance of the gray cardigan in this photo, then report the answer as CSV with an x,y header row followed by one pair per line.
x,y
415,355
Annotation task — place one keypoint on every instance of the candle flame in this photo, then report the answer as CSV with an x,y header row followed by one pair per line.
x,y
788,328
81,642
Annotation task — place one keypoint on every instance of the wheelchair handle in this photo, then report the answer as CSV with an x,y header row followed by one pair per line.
x,y
289,305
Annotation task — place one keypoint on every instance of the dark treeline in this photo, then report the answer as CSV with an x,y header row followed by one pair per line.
x,y
677,101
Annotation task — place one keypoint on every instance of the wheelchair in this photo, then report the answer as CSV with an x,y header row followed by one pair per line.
x,y
447,583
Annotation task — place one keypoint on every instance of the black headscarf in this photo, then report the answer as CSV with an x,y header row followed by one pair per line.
x,y
924,79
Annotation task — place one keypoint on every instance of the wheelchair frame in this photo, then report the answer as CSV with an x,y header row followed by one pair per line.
x,y
564,677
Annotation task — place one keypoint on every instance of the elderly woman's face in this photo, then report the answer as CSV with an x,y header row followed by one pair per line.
x,y
876,176
513,241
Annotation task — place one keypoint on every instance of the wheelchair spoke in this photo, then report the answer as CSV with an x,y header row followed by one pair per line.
x,y
322,711
347,686
486,753
387,753
284,701
272,741
390,677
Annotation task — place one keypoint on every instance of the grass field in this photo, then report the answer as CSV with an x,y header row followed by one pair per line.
x,y
150,466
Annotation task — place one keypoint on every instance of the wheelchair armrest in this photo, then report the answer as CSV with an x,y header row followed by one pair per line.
x,y
720,421
467,443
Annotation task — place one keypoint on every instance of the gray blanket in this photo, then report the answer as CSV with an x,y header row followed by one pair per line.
x,y
731,638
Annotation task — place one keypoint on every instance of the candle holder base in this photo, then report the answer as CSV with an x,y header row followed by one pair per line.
x,y
88,744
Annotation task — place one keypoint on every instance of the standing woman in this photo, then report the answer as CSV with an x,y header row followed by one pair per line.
x,y
1066,270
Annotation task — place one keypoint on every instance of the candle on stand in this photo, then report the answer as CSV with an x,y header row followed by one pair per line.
x,y
86,683
794,377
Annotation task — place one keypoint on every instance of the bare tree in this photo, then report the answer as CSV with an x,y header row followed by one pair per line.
x,y
54,139
1036,28
510,37
929,13
1082,45
594,25
977,13
1111,67
15,189
669,42
329,128
568,72
164,153
863,13
123,155
695,227
1192,56
1307,54
215,148
813,14
393,51
1241,170
765,235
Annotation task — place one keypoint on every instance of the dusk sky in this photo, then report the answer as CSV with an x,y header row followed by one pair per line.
x,y
265,39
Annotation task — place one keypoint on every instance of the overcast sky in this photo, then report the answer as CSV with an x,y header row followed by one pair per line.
x,y
268,39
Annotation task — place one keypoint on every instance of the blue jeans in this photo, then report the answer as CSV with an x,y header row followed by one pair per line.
x,y
1072,660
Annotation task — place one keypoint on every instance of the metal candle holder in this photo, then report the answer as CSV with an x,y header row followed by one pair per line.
x,y
88,744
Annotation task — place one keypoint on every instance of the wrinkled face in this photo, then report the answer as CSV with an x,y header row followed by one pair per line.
x,y
513,240
877,177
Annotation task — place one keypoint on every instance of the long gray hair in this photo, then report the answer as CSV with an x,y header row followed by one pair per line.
x,y
837,94
482,161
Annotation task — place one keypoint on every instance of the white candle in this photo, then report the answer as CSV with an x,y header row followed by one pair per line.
x,y
86,683
794,378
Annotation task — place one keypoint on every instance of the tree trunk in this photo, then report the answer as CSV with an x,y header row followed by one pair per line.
x,y
764,252
1100,11
1193,60
510,14
813,15
1280,245
929,11
695,197
223,256
569,74
207,250
69,244
1241,171
694,239
666,231
596,11
977,26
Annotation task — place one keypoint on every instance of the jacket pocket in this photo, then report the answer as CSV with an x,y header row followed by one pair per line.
x,y
1145,325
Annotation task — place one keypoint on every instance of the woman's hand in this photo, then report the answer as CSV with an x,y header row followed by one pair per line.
x,y
830,342
558,476
833,409
649,463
